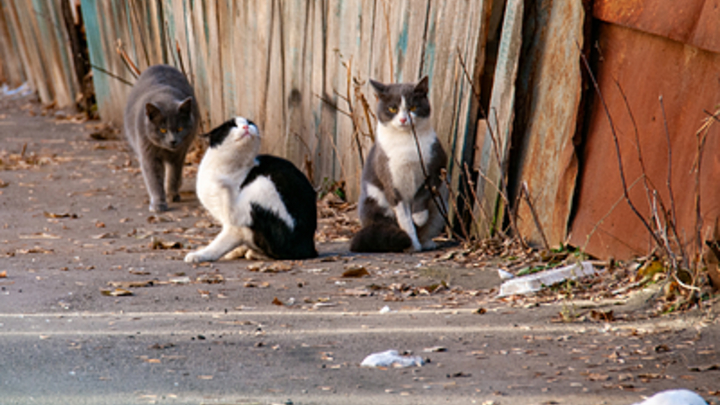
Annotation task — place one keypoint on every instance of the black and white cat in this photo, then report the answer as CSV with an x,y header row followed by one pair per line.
x,y
396,206
161,119
263,202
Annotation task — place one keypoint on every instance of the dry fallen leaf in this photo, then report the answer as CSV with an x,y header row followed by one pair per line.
x,y
598,377
354,271
277,267
39,235
3,274
276,301
211,278
131,284
54,215
118,292
157,244
602,316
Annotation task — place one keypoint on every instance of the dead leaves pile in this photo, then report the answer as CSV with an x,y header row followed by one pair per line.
x,y
337,221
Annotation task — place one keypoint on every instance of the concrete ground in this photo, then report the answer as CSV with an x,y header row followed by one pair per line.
x,y
76,233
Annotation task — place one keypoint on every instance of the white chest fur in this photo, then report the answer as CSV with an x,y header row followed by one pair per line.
x,y
403,157
218,188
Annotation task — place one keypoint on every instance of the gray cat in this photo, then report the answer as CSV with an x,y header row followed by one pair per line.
x,y
161,119
396,207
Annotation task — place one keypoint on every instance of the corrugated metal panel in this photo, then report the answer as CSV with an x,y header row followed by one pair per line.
x,y
36,40
549,90
693,22
276,61
647,67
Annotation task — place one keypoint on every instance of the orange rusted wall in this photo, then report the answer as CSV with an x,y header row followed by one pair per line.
x,y
670,51
692,22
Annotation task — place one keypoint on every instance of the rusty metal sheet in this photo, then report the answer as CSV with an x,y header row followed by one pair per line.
x,y
549,91
647,67
694,22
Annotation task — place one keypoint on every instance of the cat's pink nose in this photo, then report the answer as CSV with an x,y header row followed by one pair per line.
x,y
244,127
403,120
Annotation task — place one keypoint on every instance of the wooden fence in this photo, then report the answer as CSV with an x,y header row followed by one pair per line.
x,y
35,47
298,68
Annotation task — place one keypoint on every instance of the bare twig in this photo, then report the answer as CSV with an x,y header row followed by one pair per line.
x,y
113,75
701,136
435,195
332,104
129,64
526,193
626,195
673,222
140,30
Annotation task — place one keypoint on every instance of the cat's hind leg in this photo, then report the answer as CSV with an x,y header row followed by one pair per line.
x,y
228,239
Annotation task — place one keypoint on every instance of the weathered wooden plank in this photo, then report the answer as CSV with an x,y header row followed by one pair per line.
x,y
500,114
21,11
550,83
12,59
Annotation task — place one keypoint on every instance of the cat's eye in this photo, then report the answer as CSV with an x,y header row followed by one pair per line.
x,y
393,110
179,129
163,130
413,108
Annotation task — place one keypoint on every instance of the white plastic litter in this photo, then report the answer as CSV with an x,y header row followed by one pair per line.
x,y
505,275
674,397
535,282
385,310
23,90
391,358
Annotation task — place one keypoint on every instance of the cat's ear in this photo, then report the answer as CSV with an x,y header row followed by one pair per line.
x,y
185,107
153,113
422,86
379,87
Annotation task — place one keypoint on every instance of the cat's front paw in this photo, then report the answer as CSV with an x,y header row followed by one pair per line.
x,y
158,207
175,198
429,245
196,257
415,247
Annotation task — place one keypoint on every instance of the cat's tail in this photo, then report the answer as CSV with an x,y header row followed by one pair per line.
x,y
380,237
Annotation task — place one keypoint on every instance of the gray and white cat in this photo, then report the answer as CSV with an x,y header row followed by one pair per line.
x,y
396,207
263,202
161,119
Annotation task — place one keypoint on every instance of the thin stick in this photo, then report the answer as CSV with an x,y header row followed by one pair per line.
x,y
646,181
503,190
526,193
617,149
126,60
433,192
113,75
140,31
332,104
669,184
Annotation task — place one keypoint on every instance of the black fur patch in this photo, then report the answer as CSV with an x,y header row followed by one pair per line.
x,y
271,234
217,135
380,237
